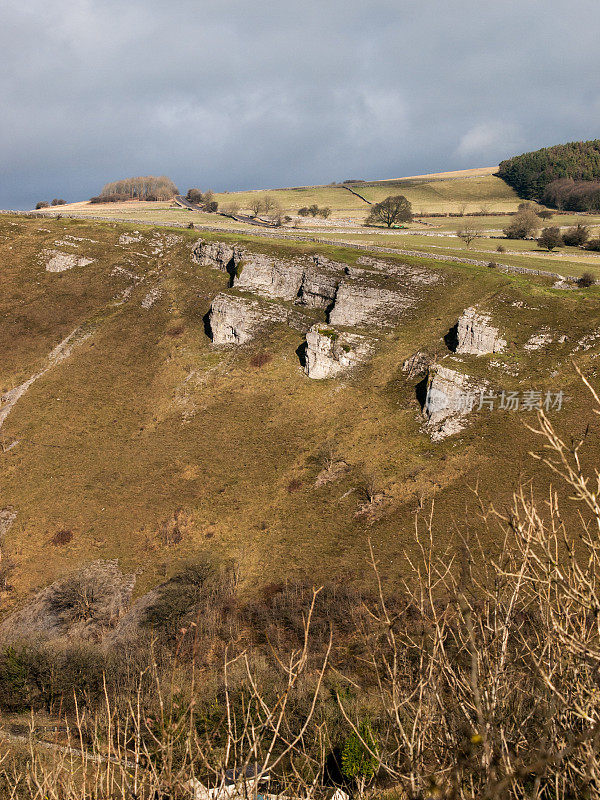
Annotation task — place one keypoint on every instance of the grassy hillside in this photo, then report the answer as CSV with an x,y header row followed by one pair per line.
x,y
466,192
443,193
427,195
150,445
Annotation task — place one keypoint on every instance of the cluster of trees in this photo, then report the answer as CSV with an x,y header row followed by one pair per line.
x,y
569,195
531,173
526,224
577,236
314,211
110,198
392,210
55,202
147,187
264,204
204,199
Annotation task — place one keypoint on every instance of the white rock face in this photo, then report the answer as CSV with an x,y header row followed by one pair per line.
x,y
330,352
60,262
447,401
320,283
269,277
217,254
358,303
476,335
236,320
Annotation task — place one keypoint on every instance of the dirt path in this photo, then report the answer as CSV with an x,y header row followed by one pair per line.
x,y
61,352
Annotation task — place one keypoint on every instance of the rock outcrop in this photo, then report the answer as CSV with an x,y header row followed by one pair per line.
x,y
269,277
320,282
417,364
370,296
57,261
359,303
450,397
130,238
151,298
236,320
475,334
219,255
7,517
330,352
538,340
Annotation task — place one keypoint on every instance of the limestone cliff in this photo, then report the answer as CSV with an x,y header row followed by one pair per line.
x,y
448,400
320,282
217,254
330,352
359,303
476,335
269,277
236,320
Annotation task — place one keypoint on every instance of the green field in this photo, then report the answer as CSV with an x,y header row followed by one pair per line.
x,y
426,195
450,194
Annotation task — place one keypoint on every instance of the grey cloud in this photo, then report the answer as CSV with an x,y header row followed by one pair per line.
x,y
238,94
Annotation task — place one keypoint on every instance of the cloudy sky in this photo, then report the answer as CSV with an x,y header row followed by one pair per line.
x,y
232,94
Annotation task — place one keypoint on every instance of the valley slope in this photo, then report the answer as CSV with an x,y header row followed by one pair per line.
x,y
149,444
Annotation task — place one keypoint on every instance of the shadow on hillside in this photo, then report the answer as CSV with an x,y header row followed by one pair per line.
x,y
206,323
451,338
421,392
301,353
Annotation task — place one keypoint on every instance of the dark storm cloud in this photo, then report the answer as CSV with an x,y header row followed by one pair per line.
x,y
232,94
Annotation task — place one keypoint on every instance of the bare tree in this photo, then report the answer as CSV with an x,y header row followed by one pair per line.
x,y
232,208
468,234
256,205
269,203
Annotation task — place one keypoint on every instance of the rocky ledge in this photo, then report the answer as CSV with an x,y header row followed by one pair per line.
x,y
219,255
330,352
476,335
236,320
269,277
447,401
359,303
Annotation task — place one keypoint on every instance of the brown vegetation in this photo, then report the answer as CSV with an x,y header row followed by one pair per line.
x,y
62,537
475,677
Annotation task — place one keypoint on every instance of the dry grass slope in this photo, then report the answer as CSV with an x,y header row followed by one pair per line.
x,y
151,446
